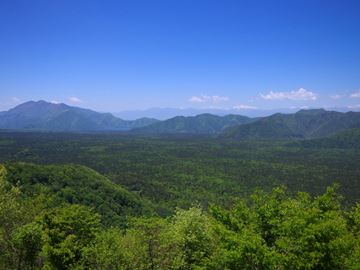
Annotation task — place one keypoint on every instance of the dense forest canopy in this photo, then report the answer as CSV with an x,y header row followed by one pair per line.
x,y
115,201
177,171
264,231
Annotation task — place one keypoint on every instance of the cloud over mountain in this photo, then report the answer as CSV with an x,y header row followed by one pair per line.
x,y
75,100
300,94
355,95
208,99
244,107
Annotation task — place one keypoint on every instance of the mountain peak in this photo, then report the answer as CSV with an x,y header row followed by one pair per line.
x,y
205,123
311,111
313,123
38,104
43,115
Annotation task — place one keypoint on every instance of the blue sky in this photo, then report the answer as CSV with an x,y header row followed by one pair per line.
x,y
123,55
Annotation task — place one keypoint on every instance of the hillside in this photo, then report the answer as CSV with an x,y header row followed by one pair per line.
x,y
348,139
304,124
76,184
200,124
42,115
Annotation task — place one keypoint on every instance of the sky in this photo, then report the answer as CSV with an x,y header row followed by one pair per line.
x,y
128,55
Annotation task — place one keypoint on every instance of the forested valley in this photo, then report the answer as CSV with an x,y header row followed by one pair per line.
x,y
125,201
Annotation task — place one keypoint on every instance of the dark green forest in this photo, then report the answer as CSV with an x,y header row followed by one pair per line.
x,y
176,171
117,201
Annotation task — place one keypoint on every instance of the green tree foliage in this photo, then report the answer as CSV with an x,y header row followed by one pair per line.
x,y
268,230
150,232
28,242
286,232
142,246
10,218
354,219
17,245
107,251
77,185
67,231
192,236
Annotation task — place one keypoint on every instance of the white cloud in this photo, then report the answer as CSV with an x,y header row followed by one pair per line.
x,y
219,98
335,97
300,107
55,102
196,99
300,94
244,107
75,100
15,99
208,99
215,107
355,95
354,106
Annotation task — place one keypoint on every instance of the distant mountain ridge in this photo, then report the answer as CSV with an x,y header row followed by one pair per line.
x,y
200,124
42,115
305,124
167,113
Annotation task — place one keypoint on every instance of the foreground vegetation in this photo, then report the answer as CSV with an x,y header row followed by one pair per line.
x,y
268,230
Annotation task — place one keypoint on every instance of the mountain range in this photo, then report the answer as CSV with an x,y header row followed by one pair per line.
x,y
42,115
201,124
166,113
304,124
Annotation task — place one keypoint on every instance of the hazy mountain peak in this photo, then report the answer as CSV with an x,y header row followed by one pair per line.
x,y
312,111
38,104
43,115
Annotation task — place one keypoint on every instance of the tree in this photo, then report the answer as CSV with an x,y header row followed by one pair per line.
x,y
106,251
67,231
276,231
12,216
191,239
28,242
353,262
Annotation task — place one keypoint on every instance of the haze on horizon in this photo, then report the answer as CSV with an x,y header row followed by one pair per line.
x,y
115,56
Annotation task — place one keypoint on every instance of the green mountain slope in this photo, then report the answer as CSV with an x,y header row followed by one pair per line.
x,y
77,184
303,124
43,115
348,139
200,124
